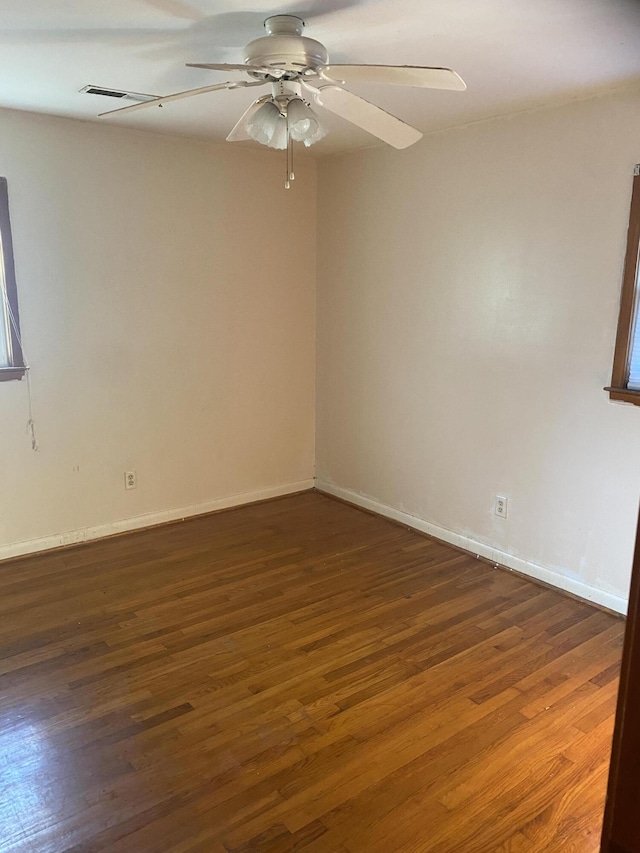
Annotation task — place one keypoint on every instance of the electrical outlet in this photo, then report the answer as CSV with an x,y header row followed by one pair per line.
x,y
130,479
500,508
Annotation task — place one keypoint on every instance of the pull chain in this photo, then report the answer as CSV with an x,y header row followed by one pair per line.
x,y
287,179
292,176
290,173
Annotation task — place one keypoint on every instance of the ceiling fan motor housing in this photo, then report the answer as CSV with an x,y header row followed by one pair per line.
x,y
284,47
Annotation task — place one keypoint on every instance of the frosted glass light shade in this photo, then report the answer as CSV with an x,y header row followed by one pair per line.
x,y
303,122
263,123
320,132
279,138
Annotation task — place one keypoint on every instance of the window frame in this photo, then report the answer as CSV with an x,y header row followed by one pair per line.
x,y
628,304
17,368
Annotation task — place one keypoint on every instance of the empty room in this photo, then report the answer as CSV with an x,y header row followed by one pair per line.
x,y
319,420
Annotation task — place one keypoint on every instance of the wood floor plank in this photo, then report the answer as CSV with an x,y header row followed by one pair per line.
x,y
297,675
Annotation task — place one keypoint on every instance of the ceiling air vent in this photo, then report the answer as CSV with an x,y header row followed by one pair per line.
x,y
117,93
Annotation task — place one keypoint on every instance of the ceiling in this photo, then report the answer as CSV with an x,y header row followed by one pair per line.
x,y
513,54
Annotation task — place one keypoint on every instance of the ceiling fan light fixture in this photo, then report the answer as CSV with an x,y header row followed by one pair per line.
x,y
263,124
319,134
280,137
275,124
303,122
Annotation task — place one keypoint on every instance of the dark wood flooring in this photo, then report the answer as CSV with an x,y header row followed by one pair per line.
x,y
297,676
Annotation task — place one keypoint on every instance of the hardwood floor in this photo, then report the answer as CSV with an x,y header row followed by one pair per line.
x,y
297,676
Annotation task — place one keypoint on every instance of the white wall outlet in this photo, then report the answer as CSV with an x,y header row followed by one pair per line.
x,y
500,508
130,479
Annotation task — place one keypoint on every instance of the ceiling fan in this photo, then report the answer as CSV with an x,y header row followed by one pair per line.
x,y
298,70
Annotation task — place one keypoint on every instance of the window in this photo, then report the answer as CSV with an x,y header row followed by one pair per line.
x,y
625,377
11,355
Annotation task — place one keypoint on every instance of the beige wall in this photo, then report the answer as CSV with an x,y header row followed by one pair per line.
x,y
167,296
467,302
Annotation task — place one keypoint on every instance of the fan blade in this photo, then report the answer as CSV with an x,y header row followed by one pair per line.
x,y
225,66
158,102
239,131
395,75
376,121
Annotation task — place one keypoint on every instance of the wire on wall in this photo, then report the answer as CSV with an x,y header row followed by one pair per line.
x,y
31,427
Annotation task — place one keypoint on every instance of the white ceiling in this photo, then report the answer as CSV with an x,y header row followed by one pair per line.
x,y
513,54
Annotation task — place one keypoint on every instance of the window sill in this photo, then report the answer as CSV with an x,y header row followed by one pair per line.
x,y
9,373
624,395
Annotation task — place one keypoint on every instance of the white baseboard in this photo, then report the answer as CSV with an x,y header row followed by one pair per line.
x,y
533,570
137,522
